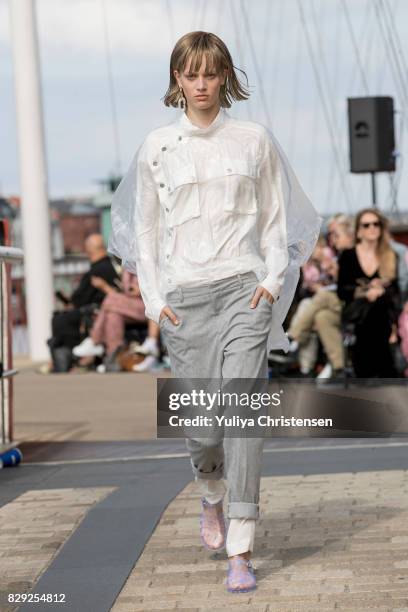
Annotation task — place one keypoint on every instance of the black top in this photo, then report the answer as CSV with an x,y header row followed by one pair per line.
x,y
351,275
86,293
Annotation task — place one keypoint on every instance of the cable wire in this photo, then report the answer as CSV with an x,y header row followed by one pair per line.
x,y
240,52
115,125
255,62
326,108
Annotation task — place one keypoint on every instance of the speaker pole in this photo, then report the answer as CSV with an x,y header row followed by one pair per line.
x,y
373,190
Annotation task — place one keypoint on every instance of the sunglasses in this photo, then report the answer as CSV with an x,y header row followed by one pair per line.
x,y
369,223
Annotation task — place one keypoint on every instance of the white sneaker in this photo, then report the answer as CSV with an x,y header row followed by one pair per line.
x,y
149,347
326,372
148,363
87,348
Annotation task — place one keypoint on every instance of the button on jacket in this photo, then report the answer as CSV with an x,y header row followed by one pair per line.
x,y
208,205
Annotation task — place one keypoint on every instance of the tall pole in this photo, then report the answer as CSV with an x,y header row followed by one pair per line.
x,y
33,177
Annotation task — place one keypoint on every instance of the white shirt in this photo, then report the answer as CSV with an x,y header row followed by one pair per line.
x,y
209,205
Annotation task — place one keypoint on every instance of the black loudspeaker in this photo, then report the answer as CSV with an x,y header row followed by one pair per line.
x,y
371,134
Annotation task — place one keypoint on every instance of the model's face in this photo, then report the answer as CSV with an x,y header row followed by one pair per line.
x,y
369,227
202,83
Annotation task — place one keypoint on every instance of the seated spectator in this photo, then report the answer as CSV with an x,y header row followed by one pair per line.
x,y
320,312
318,271
66,324
341,232
403,333
402,252
101,266
120,306
368,286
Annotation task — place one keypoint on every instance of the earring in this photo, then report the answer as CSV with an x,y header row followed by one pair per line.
x,y
181,102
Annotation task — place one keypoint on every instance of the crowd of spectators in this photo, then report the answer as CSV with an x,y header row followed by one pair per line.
x,y
103,325
351,315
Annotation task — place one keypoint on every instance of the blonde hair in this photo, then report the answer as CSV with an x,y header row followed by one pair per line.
x,y
386,256
194,46
344,221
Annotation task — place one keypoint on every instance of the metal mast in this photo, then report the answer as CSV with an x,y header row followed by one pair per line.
x,y
33,177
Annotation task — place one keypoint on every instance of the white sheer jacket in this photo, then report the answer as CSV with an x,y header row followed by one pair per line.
x,y
201,204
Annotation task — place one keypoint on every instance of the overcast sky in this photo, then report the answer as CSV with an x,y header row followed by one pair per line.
x,y
272,50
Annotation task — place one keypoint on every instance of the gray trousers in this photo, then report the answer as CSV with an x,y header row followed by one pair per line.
x,y
220,336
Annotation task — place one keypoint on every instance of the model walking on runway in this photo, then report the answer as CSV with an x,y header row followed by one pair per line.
x,y
213,221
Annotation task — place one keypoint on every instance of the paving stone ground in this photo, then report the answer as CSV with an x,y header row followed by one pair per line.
x,y
324,542
33,528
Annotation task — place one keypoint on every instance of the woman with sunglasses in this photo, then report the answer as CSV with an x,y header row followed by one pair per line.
x,y
367,283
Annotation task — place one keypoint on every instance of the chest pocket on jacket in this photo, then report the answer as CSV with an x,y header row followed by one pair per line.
x,y
182,202
241,192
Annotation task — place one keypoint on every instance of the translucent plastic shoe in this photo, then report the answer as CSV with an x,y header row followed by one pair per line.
x,y
240,577
212,525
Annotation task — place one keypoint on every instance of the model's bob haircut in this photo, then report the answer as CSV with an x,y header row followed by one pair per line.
x,y
195,45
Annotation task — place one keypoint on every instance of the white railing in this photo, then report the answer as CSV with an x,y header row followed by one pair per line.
x,y
8,256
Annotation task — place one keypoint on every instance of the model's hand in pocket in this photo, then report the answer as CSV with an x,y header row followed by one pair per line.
x,y
259,293
166,311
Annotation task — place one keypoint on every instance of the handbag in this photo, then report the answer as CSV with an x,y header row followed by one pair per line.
x,y
356,311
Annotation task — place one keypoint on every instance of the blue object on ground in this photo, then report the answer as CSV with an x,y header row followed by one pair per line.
x,y
11,457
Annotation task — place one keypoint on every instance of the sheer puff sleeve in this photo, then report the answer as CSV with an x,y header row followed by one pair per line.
x,y
135,214
288,228
271,221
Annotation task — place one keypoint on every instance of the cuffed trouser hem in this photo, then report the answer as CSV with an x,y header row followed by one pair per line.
x,y
243,510
212,490
214,475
